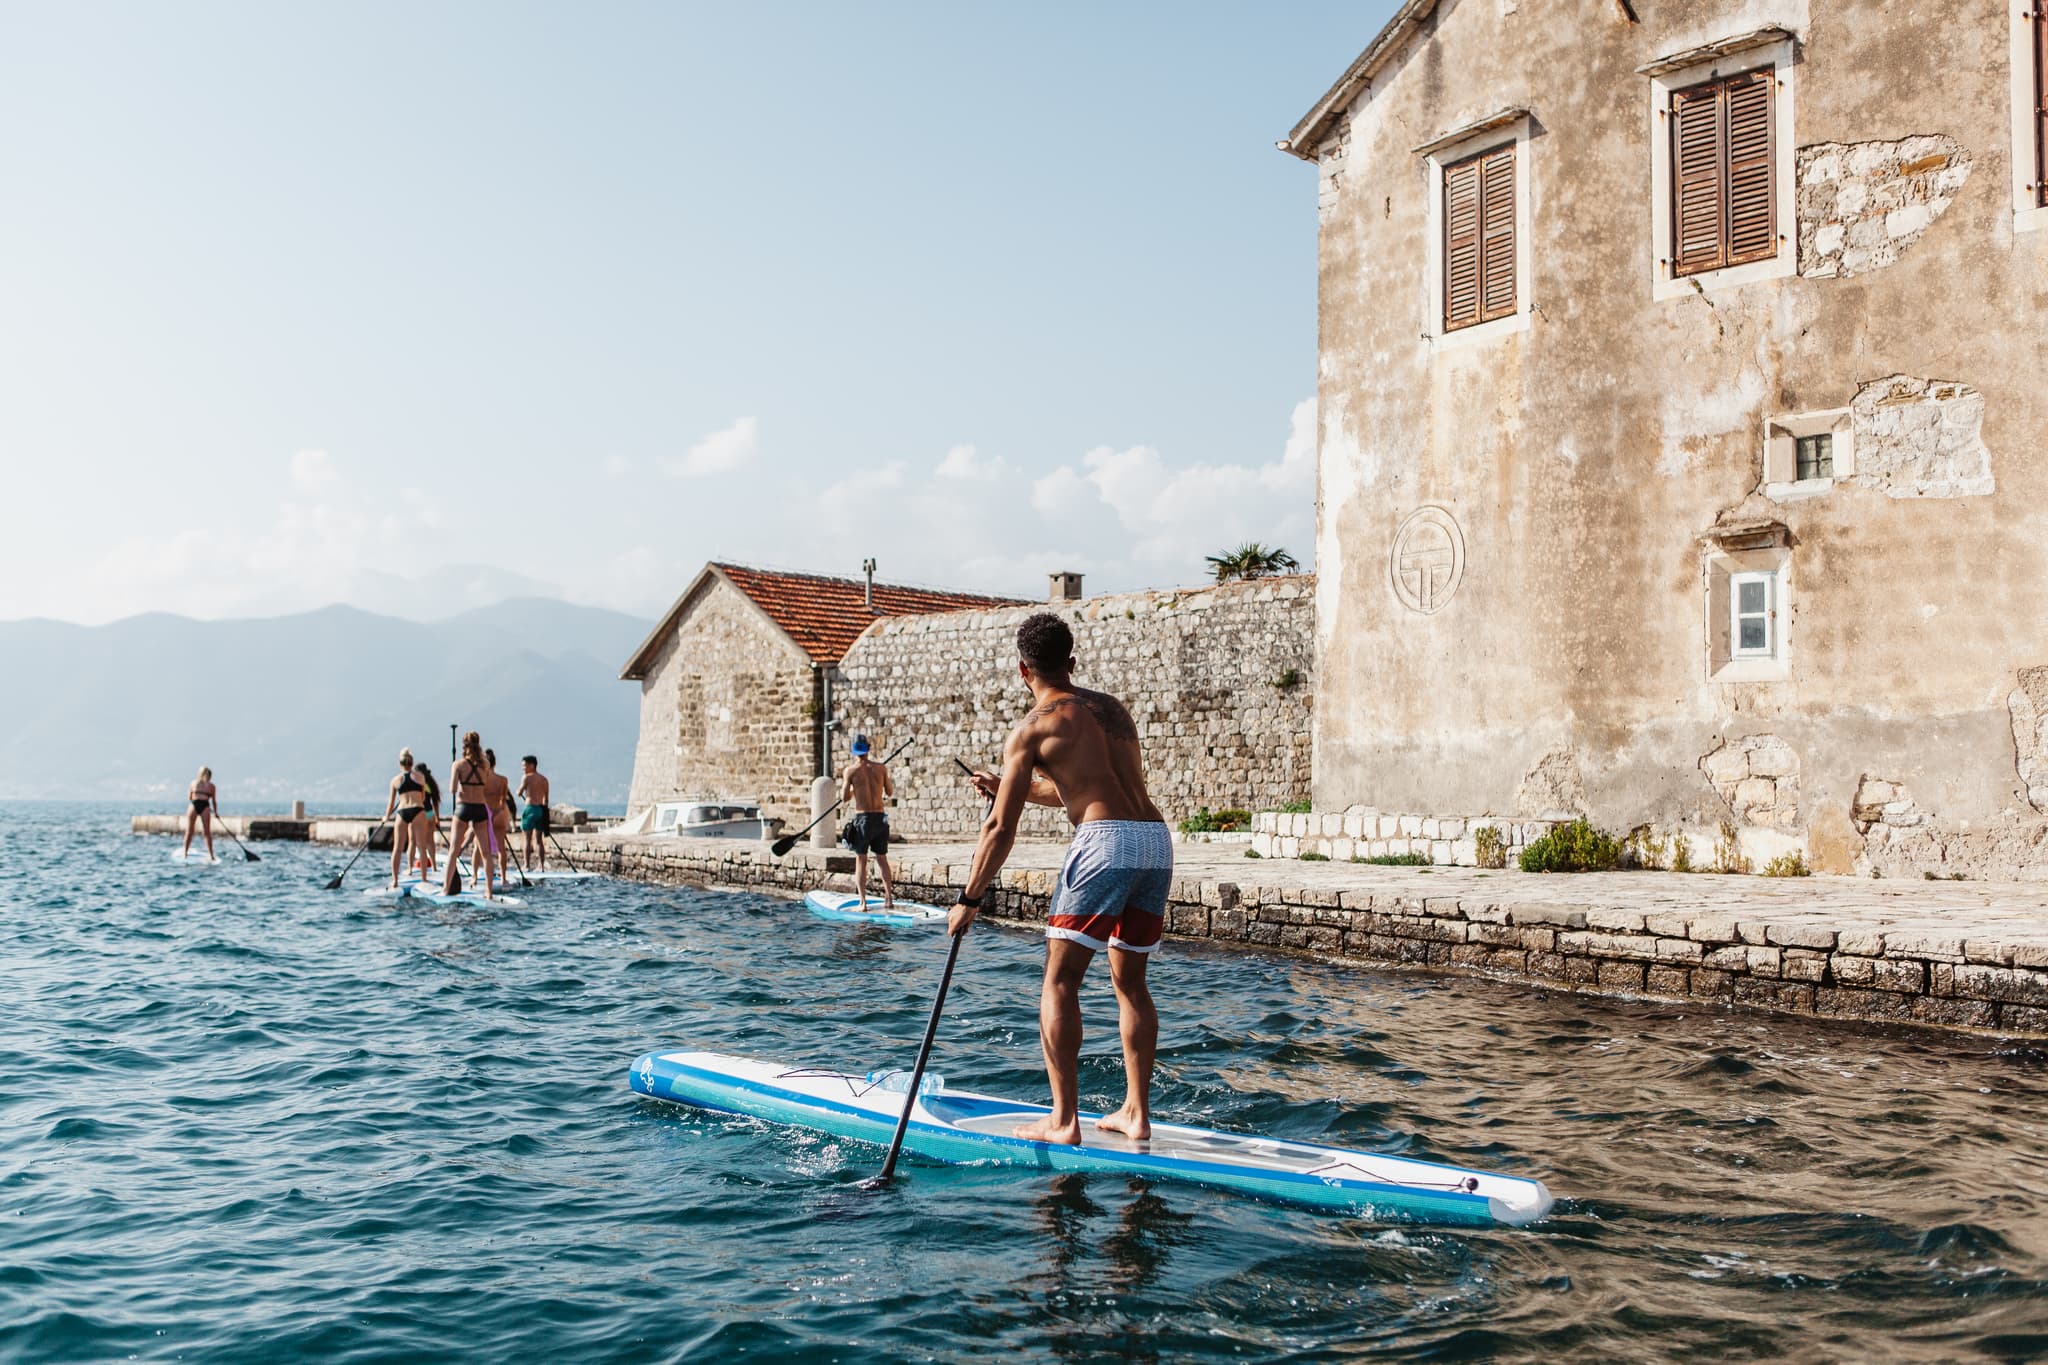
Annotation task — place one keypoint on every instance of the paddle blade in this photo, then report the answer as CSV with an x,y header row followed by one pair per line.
x,y
334,885
782,845
250,857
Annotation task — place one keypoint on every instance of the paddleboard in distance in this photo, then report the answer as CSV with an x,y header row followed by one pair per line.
x,y
849,908
959,1127
179,855
533,875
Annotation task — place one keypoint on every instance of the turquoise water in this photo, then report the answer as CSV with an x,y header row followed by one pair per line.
x,y
242,1118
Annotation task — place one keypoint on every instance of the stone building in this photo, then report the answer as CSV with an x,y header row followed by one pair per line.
x,y
1219,679
737,682
1681,423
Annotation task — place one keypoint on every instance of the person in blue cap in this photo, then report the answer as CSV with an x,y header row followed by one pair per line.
x,y
867,789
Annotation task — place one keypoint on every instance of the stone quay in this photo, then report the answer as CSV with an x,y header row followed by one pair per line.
x,y
1954,955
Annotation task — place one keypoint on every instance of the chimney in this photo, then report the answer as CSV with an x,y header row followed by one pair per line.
x,y
1066,587
867,566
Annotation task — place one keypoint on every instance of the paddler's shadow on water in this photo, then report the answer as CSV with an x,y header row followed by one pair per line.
x,y
1147,1228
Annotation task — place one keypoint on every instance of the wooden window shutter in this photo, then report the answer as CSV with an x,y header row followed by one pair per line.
x,y
2040,106
1497,234
1752,188
1698,162
1461,245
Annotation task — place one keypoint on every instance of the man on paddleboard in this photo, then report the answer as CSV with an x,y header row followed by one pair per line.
x,y
1079,749
533,821
867,789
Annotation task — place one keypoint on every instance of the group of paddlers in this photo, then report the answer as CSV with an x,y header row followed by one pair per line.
x,y
487,810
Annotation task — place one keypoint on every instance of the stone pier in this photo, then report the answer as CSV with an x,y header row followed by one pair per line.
x,y
1958,955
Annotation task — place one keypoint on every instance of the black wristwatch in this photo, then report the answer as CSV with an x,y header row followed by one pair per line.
x,y
964,899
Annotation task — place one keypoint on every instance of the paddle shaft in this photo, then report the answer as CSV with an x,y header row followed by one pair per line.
x,y
335,885
924,1052
924,1055
788,841
231,834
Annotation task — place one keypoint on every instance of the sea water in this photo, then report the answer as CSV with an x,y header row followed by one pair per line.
x,y
242,1118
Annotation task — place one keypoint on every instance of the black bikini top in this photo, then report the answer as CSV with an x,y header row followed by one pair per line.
x,y
406,784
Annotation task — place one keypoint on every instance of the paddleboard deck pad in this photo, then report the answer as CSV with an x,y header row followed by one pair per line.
x,y
181,856
962,1128
849,908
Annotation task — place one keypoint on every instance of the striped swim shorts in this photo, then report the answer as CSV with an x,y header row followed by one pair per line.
x,y
1112,890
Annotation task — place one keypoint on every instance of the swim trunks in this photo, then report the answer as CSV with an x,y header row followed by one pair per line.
x,y
868,832
1112,890
475,812
535,817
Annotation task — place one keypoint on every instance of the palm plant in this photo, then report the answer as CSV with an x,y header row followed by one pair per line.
x,y
1252,560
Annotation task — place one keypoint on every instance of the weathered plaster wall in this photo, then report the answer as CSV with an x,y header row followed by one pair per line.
x,y
1218,679
728,700
1578,461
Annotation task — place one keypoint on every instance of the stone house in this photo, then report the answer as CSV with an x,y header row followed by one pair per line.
x,y
1681,423
737,682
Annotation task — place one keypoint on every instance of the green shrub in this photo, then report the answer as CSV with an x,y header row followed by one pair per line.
x,y
1313,857
1681,854
1489,848
1206,821
1646,849
1728,853
1396,860
1253,853
1301,807
1788,865
1289,679
1576,847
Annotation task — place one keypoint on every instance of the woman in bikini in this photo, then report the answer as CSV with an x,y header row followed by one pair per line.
x,y
204,796
472,782
407,800
426,829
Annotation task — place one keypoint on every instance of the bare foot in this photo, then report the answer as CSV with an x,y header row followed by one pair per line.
x,y
1130,1122
1045,1130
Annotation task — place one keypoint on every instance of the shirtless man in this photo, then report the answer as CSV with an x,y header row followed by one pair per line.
x,y
867,789
1079,749
533,821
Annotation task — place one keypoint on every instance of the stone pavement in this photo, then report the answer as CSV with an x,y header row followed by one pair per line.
x,y
1970,955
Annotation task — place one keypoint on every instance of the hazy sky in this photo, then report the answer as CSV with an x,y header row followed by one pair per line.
x,y
414,306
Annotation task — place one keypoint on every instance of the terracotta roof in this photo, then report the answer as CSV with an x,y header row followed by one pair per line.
x,y
821,616
826,615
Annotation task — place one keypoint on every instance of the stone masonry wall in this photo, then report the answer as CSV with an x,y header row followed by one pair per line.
x,y
732,700
1218,680
1788,946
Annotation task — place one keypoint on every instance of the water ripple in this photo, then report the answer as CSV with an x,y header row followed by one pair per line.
x,y
241,1117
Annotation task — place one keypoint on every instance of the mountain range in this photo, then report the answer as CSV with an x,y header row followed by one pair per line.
x,y
314,705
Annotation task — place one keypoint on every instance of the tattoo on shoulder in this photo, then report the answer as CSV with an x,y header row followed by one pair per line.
x,y
1110,714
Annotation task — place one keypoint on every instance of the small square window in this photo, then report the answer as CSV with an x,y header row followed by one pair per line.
x,y
1816,456
1752,615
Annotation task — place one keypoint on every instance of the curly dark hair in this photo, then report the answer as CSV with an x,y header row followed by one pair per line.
x,y
1044,642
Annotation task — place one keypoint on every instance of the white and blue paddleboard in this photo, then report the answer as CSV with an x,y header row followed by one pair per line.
x,y
961,1128
536,875
851,909
179,855
417,890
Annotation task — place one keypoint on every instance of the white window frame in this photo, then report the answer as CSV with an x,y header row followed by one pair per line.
x,y
1768,579
2028,213
1725,568
1781,481
1449,152
1779,55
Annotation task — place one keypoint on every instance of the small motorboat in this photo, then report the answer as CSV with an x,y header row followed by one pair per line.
x,y
712,820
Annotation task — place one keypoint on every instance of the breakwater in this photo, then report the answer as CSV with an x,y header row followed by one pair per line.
x,y
1948,955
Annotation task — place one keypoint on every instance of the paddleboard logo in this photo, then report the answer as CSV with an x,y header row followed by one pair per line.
x,y
647,1073
1428,560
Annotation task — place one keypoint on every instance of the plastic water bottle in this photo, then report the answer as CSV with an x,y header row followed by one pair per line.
x,y
898,1082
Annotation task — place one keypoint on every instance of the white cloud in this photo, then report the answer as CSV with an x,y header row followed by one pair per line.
x,y
313,471
720,452
961,462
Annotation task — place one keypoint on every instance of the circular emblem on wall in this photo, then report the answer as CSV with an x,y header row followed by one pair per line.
x,y
1428,560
